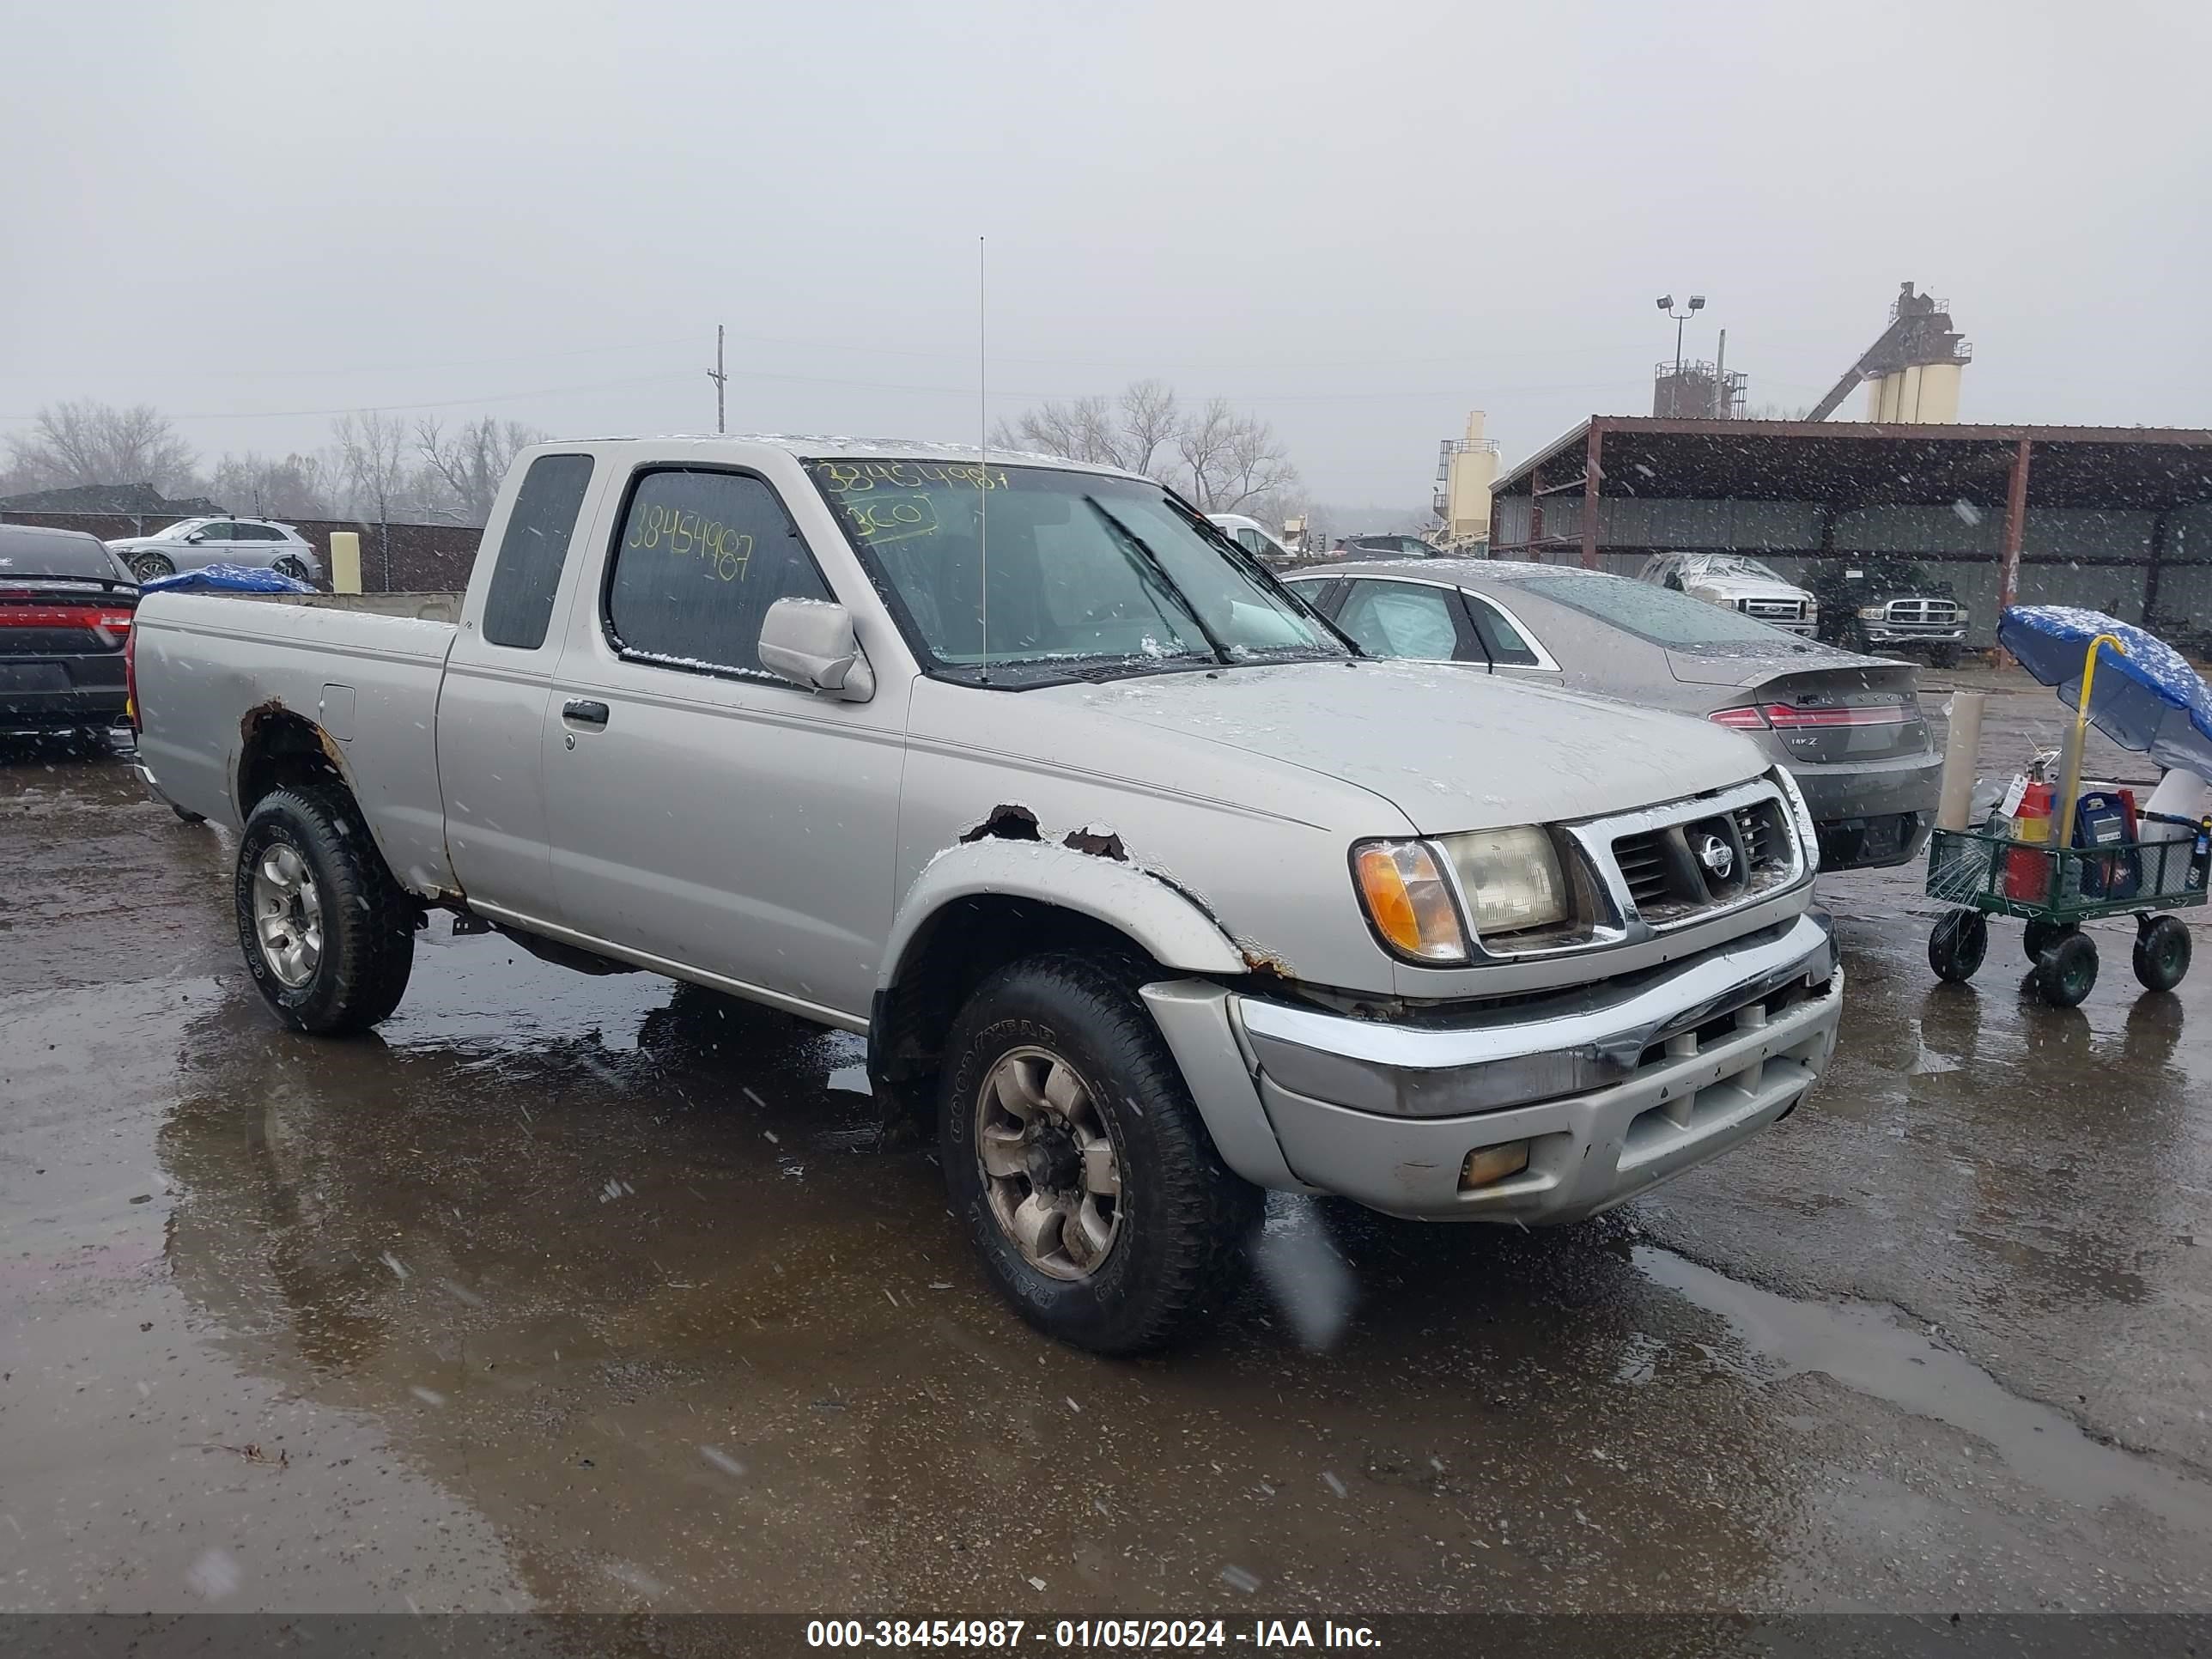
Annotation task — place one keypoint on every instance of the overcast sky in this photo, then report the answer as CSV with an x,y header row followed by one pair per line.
x,y
1362,220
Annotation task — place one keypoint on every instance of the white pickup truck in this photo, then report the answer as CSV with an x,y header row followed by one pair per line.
x,y
1148,891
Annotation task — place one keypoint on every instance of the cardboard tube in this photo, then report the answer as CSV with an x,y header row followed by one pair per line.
x,y
1962,747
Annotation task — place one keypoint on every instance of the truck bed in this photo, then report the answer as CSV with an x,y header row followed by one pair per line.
x,y
213,669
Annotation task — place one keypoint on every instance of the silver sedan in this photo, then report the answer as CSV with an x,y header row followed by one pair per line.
x,y
1849,727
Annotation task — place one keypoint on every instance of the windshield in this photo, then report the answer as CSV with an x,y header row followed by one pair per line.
x,y
1735,565
1089,575
1657,614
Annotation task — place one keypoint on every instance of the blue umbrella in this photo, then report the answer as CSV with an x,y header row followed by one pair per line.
x,y
2150,700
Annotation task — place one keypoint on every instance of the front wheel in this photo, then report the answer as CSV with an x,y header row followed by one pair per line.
x,y
2040,934
329,936
1073,1150
146,567
2068,971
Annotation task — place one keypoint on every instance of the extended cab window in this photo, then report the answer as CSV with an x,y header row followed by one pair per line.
x,y
700,558
532,549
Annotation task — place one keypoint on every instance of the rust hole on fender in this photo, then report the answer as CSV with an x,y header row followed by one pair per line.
x,y
1006,823
1106,845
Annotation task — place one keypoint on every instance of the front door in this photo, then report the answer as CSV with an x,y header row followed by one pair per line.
x,y
703,811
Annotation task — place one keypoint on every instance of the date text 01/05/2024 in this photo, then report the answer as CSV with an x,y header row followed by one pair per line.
x,y
1008,1634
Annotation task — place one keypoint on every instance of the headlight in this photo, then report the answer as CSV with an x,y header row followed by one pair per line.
x,y
1511,877
1872,612
1409,900
1808,836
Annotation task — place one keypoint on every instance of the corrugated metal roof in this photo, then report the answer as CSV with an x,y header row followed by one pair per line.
x,y
1858,464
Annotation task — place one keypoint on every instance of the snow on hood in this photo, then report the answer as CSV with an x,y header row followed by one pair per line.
x,y
1743,587
1451,749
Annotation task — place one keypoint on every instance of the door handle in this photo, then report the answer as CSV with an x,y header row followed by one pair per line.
x,y
577,712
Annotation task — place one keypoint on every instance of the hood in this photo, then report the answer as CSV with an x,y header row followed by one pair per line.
x,y
1451,749
1732,588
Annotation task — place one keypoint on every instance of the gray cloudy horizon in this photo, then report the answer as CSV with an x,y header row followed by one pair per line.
x,y
1357,223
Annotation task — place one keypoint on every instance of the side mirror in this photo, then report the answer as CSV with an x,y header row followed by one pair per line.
x,y
196,538
811,642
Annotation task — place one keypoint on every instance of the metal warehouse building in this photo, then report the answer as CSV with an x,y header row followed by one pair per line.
x,y
2117,518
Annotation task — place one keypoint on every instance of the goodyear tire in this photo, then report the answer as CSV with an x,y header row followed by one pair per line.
x,y
329,936
1072,1150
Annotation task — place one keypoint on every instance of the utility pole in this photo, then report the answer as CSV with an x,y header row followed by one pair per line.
x,y
722,381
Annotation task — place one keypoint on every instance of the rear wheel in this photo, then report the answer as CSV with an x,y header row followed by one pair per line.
x,y
147,566
1073,1150
289,566
2162,950
2067,971
1956,946
2040,934
329,936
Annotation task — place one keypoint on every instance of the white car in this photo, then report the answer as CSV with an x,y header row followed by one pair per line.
x,y
1254,538
195,543
1737,582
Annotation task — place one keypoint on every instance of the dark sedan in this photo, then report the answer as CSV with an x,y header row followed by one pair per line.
x,y
66,604
1849,727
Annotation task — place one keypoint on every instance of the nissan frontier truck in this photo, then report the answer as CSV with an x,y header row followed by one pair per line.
x,y
1149,892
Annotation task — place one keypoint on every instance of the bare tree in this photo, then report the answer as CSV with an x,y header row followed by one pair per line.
x,y
1230,459
471,462
1149,422
373,452
1221,459
268,486
88,443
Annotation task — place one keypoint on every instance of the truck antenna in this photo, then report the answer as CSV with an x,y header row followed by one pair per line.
x,y
982,461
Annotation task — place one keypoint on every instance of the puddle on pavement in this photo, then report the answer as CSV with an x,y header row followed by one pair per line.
x,y
1867,1350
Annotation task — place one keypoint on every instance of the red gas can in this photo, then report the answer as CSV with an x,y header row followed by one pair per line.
x,y
2027,870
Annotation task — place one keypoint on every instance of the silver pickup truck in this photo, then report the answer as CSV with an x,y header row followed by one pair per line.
x,y
1148,892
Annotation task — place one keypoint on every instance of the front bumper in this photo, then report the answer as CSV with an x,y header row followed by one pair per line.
x,y
1615,1087
1906,634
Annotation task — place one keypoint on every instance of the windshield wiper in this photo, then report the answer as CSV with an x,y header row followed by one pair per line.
x,y
1160,574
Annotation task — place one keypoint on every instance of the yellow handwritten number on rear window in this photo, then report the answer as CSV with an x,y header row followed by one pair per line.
x,y
723,552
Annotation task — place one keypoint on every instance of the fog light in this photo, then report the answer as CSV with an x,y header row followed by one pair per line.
x,y
1487,1165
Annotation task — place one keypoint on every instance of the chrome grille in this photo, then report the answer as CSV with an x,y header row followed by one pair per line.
x,y
1775,610
1922,612
1706,857
1761,836
1642,861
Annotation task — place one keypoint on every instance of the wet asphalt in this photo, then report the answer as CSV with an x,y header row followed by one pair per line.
x,y
591,1294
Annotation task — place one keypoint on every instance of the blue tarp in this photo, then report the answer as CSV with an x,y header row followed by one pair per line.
x,y
2150,700
226,578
